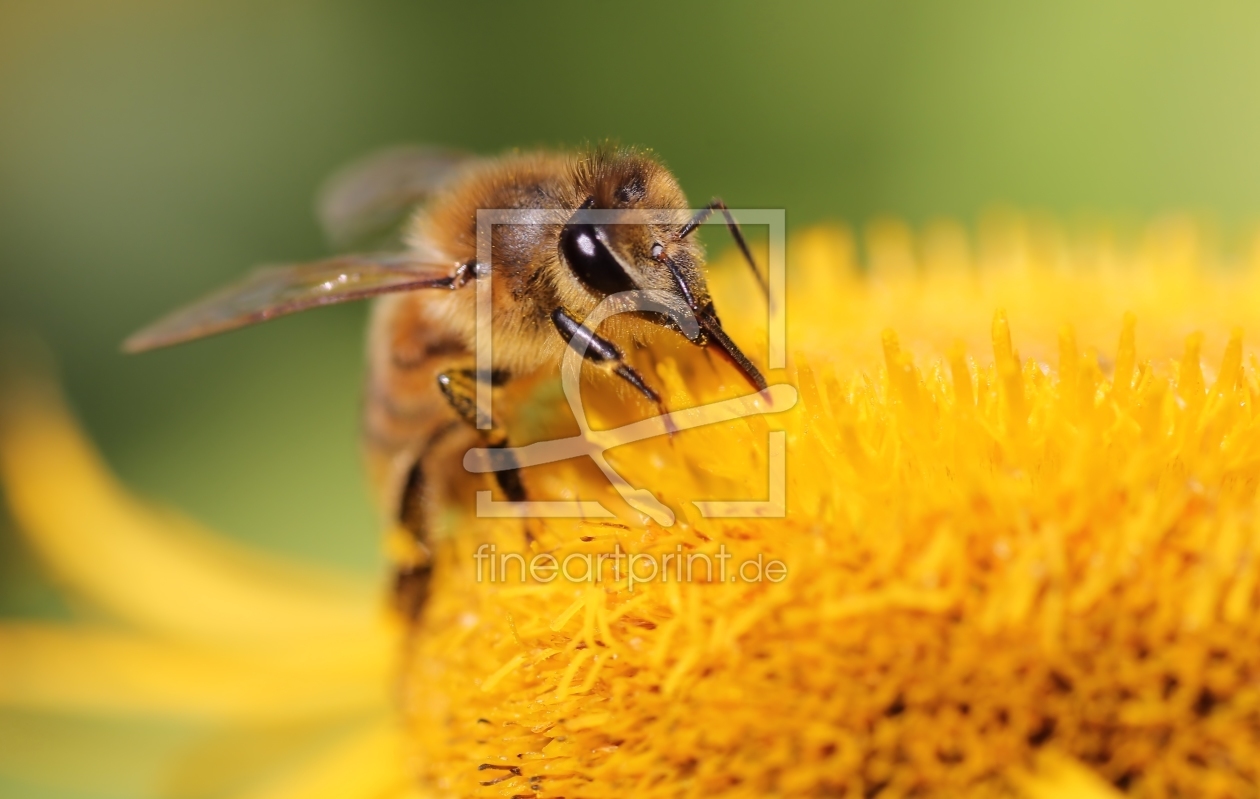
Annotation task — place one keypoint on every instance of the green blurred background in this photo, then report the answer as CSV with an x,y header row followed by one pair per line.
x,y
152,150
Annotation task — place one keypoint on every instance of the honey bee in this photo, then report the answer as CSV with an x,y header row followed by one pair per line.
x,y
420,398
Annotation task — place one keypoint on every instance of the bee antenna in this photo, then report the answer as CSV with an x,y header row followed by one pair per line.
x,y
703,214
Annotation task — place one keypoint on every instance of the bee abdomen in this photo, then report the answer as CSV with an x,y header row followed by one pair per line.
x,y
411,589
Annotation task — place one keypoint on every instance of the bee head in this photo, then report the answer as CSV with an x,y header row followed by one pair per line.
x,y
627,235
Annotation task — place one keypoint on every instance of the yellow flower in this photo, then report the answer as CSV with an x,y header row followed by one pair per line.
x,y
1019,539
179,625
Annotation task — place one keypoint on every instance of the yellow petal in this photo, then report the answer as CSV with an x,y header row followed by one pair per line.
x,y
367,764
84,670
69,755
151,567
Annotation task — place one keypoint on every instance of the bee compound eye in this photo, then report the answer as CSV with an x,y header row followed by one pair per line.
x,y
591,261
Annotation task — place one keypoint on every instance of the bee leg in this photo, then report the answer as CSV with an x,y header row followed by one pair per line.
x,y
412,578
716,204
415,571
411,589
459,386
604,353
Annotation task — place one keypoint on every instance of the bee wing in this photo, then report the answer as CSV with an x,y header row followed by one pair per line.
x,y
373,194
269,292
